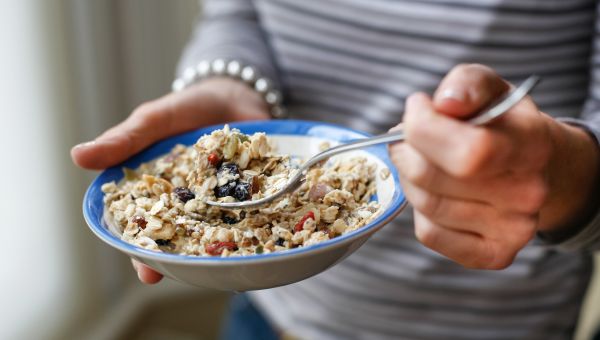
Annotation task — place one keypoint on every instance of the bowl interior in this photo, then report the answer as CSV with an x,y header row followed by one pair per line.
x,y
297,138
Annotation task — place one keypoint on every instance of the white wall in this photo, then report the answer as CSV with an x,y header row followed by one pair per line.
x,y
69,69
36,252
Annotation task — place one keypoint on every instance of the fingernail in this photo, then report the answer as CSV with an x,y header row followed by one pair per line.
x,y
84,145
452,94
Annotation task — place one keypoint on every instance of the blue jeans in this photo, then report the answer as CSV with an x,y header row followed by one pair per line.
x,y
244,322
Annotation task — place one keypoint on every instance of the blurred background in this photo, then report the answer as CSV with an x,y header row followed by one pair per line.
x,y
70,69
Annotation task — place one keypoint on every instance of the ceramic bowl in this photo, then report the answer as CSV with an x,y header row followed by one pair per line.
x,y
297,138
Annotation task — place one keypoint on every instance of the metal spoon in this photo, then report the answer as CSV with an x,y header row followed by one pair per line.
x,y
495,110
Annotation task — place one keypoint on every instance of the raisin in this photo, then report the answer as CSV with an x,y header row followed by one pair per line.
x,y
184,194
140,221
225,190
216,248
214,159
242,191
162,242
242,215
279,242
228,219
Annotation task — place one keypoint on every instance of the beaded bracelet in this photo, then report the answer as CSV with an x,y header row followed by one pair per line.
x,y
237,70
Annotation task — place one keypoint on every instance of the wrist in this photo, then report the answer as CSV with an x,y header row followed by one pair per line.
x,y
235,70
573,176
220,100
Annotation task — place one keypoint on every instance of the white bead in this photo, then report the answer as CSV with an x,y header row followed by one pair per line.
x,y
189,75
218,67
248,74
234,68
178,85
262,85
203,69
273,97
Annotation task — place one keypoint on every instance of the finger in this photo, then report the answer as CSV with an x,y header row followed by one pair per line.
x,y
458,214
464,248
459,149
146,274
467,89
149,123
506,192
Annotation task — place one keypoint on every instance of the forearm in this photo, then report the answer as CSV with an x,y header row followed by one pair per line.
x,y
230,30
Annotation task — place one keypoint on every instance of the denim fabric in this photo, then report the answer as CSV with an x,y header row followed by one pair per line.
x,y
245,322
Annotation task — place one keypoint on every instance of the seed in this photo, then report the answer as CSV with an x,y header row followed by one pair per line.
x,y
140,221
184,194
259,249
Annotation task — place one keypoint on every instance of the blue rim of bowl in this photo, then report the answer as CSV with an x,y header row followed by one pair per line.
x,y
93,209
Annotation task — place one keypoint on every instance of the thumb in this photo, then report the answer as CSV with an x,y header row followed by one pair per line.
x,y
467,89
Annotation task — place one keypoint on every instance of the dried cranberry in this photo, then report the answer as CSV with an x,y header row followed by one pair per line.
x,y
279,242
216,248
225,190
184,194
242,191
140,221
214,159
228,219
300,225
162,242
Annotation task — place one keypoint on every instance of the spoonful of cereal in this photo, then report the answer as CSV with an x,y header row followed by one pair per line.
x,y
238,196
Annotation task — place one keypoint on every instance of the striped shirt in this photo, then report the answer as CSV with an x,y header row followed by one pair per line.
x,y
354,62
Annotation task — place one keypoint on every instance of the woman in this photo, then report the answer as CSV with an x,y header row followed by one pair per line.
x,y
480,195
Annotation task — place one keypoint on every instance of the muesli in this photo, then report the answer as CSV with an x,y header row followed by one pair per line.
x,y
160,206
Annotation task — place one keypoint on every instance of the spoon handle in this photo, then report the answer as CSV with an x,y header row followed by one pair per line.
x,y
493,111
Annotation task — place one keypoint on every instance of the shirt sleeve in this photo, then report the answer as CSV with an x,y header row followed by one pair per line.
x,y
230,30
588,236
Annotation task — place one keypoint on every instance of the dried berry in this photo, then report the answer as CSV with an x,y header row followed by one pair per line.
x,y
184,194
242,215
214,159
216,248
300,225
279,242
229,167
242,191
162,242
140,221
225,190
229,219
